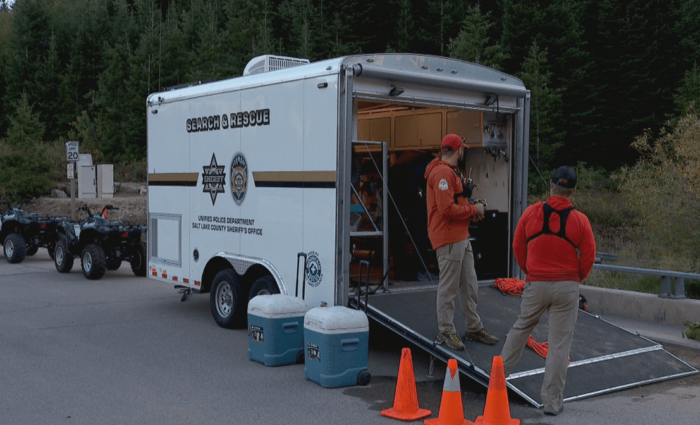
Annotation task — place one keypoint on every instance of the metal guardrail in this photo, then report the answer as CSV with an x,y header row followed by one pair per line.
x,y
666,275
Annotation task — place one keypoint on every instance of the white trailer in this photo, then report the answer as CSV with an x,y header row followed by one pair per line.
x,y
246,173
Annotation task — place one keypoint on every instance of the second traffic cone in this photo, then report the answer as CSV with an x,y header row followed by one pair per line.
x,y
497,411
451,410
406,397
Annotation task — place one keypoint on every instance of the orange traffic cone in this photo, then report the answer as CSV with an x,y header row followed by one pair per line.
x,y
451,410
497,411
406,397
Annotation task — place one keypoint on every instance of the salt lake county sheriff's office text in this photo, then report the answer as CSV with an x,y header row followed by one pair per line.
x,y
227,224
234,120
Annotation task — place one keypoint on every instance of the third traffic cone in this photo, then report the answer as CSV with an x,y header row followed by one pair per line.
x,y
451,410
497,411
406,397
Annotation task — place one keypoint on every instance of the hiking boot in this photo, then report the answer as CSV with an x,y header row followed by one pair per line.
x,y
481,336
451,340
552,412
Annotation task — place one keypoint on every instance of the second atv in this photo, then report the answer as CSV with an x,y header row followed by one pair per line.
x,y
101,245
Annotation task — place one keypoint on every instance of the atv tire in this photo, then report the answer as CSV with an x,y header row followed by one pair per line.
x,y
61,257
51,248
32,250
138,260
93,262
15,248
114,264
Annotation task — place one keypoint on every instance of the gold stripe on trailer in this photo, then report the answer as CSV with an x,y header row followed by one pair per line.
x,y
173,179
299,179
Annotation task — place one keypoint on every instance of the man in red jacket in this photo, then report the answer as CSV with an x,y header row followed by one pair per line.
x,y
449,214
554,246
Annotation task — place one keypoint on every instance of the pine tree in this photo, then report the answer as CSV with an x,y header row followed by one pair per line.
x,y
472,42
404,33
689,92
545,108
302,20
435,25
24,170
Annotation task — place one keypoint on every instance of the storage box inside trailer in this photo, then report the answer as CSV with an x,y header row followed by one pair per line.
x,y
413,134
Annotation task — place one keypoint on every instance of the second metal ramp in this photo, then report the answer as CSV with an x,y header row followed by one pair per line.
x,y
604,357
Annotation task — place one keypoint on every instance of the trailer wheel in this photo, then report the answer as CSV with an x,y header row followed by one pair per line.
x,y
32,250
265,285
15,248
363,378
62,259
114,264
138,260
228,306
93,261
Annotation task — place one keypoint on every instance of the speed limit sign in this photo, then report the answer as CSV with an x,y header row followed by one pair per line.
x,y
72,154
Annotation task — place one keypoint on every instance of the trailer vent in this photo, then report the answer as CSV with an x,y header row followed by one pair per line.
x,y
267,63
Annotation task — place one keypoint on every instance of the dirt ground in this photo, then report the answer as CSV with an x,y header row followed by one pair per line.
x,y
131,204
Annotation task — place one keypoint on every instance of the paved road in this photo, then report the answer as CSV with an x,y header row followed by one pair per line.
x,y
125,350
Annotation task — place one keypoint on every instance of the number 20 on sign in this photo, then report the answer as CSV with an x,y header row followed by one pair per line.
x,y
72,153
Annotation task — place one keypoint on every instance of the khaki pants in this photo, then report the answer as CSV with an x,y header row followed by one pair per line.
x,y
457,277
561,299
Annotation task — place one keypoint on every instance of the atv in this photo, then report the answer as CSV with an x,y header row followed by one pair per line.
x,y
101,245
23,233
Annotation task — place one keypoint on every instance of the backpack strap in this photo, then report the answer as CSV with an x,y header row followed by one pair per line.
x,y
563,216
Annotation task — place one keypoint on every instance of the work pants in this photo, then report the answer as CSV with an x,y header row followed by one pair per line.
x,y
457,277
561,299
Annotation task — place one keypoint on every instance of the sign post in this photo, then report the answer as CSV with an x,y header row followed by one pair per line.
x,y
72,156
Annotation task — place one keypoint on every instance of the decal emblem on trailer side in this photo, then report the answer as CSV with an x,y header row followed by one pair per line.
x,y
239,178
213,179
313,269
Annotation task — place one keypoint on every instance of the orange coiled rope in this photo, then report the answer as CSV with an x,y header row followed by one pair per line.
x,y
510,285
541,348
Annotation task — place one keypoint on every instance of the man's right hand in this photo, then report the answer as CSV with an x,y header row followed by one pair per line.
x,y
480,210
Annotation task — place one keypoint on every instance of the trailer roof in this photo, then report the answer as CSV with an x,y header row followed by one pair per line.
x,y
433,70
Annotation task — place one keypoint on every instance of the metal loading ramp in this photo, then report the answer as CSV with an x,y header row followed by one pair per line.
x,y
604,357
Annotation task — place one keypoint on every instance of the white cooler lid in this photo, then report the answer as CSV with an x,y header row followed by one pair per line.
x,y
276,306
336,320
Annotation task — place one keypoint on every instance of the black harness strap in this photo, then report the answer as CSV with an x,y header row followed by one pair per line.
x,y
563,215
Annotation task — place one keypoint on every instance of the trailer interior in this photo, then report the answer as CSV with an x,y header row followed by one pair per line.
x,y
398,291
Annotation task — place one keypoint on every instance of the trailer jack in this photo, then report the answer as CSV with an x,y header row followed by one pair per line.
x,y
185,291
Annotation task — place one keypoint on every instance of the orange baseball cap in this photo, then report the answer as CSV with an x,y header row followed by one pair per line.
x,y
452,142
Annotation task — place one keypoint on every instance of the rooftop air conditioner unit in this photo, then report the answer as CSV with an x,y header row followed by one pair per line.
x,y
267,63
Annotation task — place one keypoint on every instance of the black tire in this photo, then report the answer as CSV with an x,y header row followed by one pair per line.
x,y
139,261
226,300
265,285
51,248
32,250
93,262
363,378
62,258
15,248
300,357
114,264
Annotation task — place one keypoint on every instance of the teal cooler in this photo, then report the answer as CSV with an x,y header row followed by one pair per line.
x,y
336,344
275,329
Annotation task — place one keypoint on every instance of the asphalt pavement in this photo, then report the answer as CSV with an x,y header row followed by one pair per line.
x,y
126,350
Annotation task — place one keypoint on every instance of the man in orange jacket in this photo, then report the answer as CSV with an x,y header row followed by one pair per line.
x,y
449,214
554,246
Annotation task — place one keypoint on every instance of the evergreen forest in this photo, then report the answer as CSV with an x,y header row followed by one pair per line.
x,y
601,72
